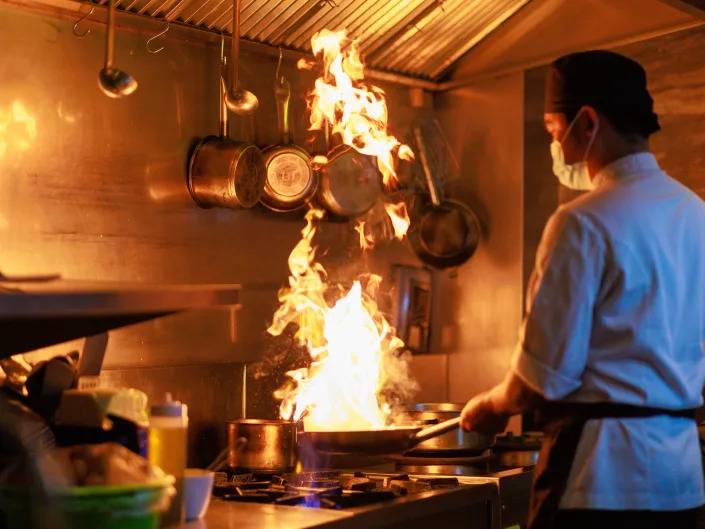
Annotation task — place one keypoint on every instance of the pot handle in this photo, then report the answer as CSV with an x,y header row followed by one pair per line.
x,y
434,189
240,444
435,430
219,460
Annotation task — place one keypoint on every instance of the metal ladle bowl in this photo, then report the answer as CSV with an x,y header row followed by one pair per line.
x,y
113,81
241,102
116,83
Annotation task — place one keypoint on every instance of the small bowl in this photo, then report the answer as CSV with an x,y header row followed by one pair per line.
x,y
198,486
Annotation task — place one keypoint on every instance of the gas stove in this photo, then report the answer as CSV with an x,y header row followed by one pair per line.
x,y
383,496
326,489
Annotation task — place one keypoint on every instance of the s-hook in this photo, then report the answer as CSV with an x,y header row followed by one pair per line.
x,y
75,26
223,59
278,78
160,34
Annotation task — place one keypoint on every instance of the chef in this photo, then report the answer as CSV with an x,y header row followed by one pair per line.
x,y
611,353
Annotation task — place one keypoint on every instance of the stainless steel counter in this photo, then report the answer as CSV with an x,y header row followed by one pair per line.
x,y
227,515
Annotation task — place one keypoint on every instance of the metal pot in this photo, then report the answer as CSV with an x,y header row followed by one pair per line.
x,y
260,445
226,173
518,450
518,458
454,441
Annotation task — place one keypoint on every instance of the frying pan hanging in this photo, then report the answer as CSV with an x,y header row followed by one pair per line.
x,y
376,441
291,182
350,183
447,232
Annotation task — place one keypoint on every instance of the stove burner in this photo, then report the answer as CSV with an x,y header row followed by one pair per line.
x,y
328,489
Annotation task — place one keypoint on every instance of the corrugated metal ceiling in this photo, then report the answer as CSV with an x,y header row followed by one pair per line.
x,y
419,38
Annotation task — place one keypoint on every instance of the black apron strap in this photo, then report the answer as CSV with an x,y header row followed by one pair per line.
x,y
563,424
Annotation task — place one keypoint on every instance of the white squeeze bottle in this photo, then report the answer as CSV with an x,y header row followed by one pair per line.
x,y
166,448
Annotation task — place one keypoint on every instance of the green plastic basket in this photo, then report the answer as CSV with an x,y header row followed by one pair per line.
x,y
137,506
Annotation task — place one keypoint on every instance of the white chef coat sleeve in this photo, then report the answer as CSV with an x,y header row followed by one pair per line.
x,y
552,351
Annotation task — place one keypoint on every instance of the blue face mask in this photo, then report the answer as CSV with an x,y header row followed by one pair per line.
x,y
573,176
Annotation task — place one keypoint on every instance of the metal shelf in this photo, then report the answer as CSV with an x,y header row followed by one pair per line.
x,y
37,315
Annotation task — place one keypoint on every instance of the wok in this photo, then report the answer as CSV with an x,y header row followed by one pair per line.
x,y
447,232
376,441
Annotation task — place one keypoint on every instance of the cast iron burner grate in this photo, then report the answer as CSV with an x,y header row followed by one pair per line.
x,y
326,489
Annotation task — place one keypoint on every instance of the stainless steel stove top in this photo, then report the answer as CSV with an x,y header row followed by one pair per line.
x,y
383,496
329,489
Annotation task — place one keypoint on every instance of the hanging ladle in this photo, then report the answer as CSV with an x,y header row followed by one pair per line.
x,y
114,82
239,101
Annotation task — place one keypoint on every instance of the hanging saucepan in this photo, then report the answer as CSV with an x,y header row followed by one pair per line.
x,y
392,441
446,233
223,172
291,182
350,183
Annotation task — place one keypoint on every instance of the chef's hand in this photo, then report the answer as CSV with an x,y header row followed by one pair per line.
x,y
479,416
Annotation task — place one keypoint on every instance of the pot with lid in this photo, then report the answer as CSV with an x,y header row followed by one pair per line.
x,y
455,441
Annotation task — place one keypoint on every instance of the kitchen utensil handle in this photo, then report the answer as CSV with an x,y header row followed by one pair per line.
x,y
235,47
223,90
221,458
110,36
223,110
436,430
240,444
433,189
282,93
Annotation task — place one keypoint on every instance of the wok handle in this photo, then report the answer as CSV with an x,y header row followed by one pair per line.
x,y
435,430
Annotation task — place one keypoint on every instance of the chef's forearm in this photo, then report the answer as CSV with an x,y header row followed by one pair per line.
x,y
512,396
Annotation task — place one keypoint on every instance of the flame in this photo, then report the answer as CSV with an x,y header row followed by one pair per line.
x,y
352,109
17,128
356,374
399,217
356,112
366,241
319,160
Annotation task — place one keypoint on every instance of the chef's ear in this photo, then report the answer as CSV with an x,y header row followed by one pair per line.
x,y
591,119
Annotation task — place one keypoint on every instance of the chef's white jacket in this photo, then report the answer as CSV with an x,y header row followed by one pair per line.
x,y
616,312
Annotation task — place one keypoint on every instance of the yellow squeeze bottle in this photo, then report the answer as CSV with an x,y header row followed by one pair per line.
x,y
166,448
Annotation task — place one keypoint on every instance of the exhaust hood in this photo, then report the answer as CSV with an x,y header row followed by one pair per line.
x,y
415,38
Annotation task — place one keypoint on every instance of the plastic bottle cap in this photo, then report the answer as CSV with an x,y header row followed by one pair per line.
x,y
169,408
